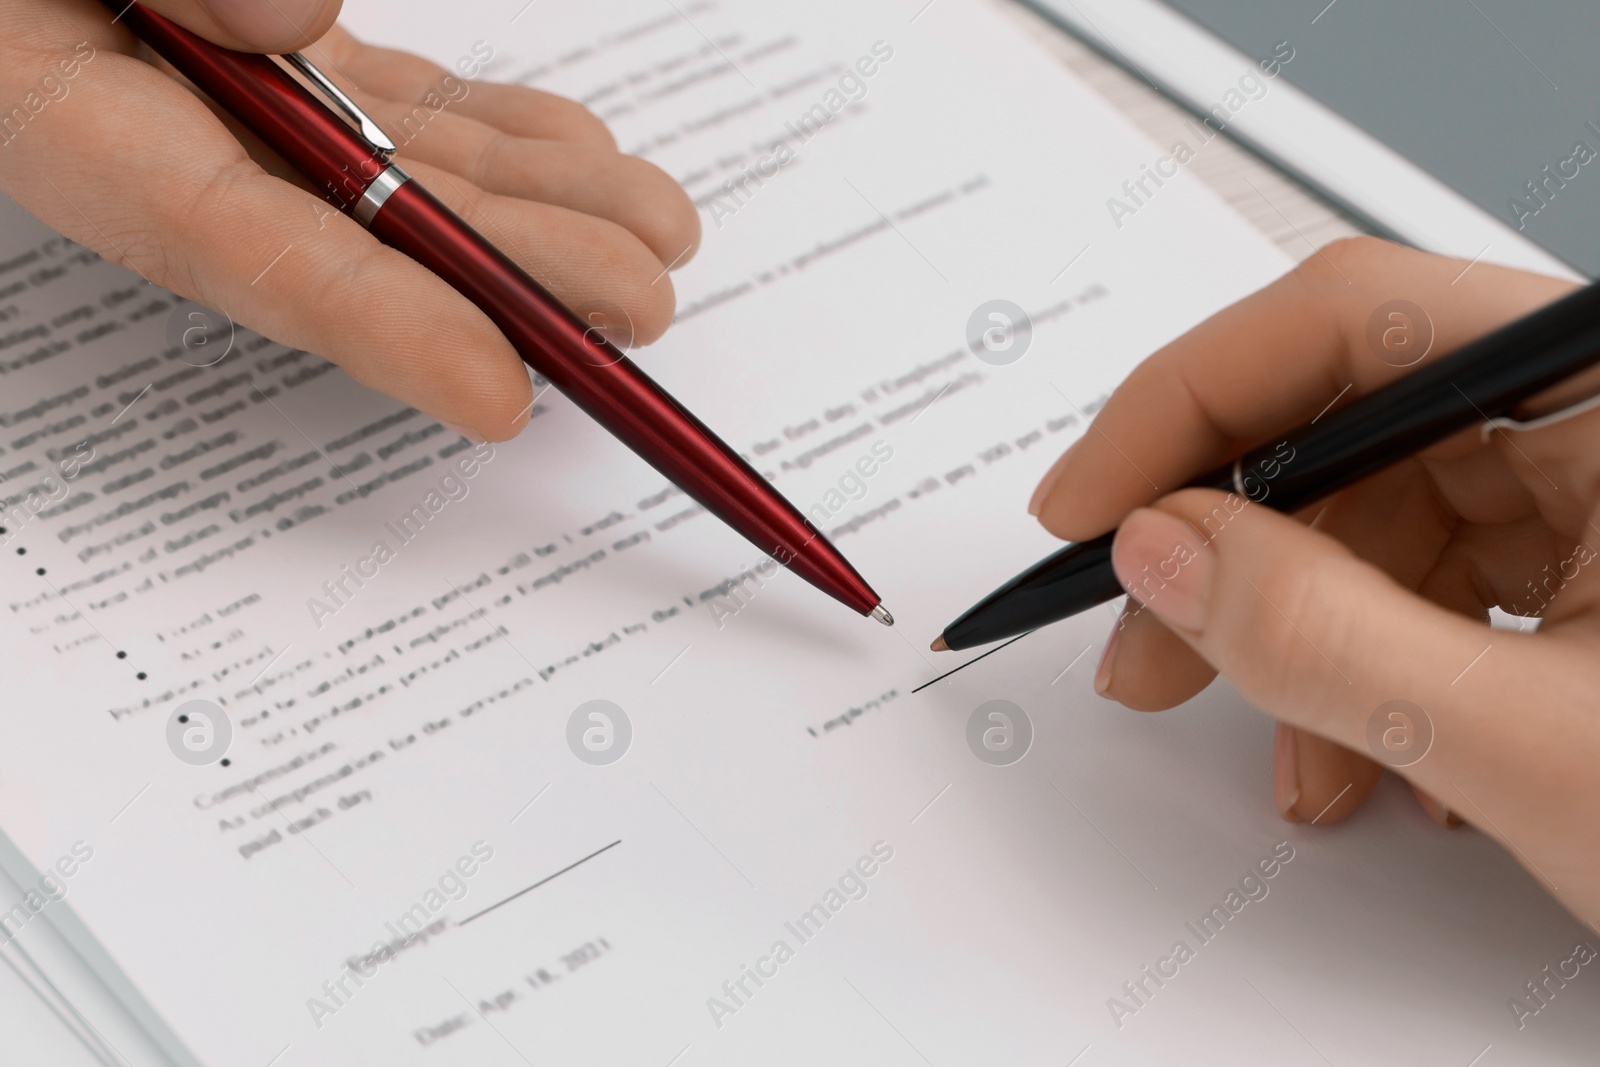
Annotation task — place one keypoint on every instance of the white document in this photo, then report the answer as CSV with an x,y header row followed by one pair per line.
x,y
416,852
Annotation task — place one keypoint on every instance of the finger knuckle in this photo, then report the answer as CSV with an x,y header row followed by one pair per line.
x,y
1346,259
1359,251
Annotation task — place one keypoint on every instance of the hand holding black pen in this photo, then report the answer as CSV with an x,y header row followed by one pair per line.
x,y
1481,383
1358,619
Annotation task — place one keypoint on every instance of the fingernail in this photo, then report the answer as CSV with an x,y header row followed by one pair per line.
x,y
1285,770
1165,565
1437,811
267,24
1047,483
1102,673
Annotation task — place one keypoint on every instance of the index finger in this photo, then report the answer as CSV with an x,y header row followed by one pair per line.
x,y
1267,364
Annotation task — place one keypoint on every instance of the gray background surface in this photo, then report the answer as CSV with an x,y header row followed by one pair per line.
x,y
1483,94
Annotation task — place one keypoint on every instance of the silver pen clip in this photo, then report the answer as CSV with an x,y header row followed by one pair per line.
x,y
1509,425
370,130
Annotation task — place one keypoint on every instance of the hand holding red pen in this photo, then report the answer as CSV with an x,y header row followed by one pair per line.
x,y
116,154
343,152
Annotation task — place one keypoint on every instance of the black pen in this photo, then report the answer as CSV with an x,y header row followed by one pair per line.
x,y
1481,383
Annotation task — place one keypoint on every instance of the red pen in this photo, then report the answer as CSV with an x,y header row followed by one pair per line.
x,y
350,166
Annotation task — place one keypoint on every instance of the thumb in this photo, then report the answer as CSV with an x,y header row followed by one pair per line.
x,y
1330,644
253,25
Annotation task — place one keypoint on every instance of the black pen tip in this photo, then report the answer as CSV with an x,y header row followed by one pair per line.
x,y
939,645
